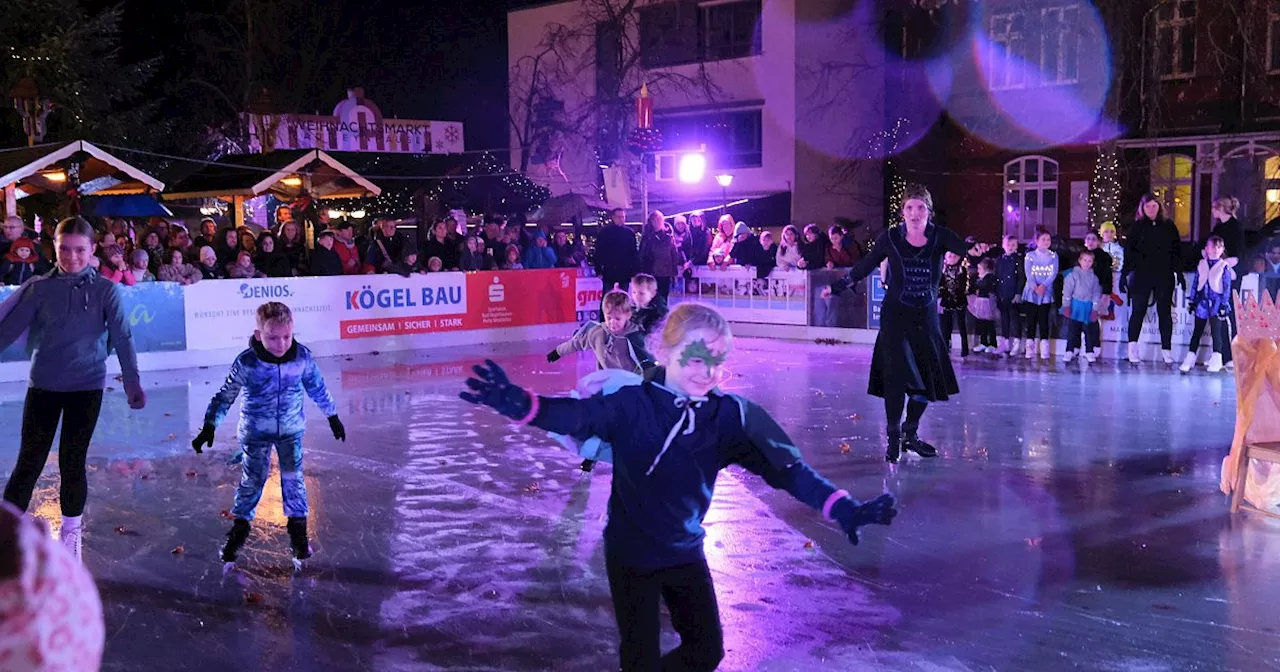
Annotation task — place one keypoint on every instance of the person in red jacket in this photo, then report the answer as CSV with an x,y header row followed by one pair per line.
x,y
349,252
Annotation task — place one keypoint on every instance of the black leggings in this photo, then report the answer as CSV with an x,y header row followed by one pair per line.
x,y
987,333
955,318
1010,319
1141,293
1222,330
695,615
1037,315
664,287
78,412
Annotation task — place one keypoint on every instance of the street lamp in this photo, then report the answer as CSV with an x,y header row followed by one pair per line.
x,y
724,180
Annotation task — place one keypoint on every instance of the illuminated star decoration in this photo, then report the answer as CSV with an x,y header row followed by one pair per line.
x,y
699,350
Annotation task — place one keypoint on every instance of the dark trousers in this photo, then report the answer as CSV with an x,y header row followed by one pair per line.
x,y
1222,334
1142,291
987,333
1076,329
78,412
1010,318
1037,316
664,287
690,598
955,318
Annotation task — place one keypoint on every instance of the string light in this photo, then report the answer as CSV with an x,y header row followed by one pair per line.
x,y
1104,204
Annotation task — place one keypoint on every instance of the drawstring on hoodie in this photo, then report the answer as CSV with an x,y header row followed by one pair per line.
x,y
687,406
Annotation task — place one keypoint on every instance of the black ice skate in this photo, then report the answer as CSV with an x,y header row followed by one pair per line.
x,y
297,528
588,466
912,442
235,540
894,452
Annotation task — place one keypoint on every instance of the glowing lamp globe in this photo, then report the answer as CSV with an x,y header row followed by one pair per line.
x,y
692,168
724,180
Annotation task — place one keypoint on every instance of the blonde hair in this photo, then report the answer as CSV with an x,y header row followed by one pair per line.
x,y
685,318
1227,204
616,299
644,280
274,312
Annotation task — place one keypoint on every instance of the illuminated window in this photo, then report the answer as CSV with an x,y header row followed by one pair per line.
x,y
1030,196
1171,179
1271,183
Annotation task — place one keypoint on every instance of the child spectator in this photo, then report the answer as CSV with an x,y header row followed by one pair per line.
x,y
270,260
275,372
539,255
434,265
512,262
1011,278
837,256
1041,267
1210,303
140,261
178,270
324,260
20,263
953,294
409,263
789,255
209,267
114,268
1112,246
243,268
475,257
650,305
814,248
1081,300
982,305
770,248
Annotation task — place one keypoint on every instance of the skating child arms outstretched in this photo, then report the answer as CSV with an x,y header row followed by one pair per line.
x,y
669,434
274,373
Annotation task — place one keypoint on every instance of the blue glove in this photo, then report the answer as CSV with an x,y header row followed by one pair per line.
x,y
851,514
492,388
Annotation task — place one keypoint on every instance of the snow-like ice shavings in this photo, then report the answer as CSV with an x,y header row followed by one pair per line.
x,y
778,599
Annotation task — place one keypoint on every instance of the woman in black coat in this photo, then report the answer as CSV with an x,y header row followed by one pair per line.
x,y
1152,265
440,243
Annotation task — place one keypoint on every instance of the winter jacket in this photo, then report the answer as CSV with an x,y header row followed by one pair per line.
x,y
1011,276
699,243
1082,285
16,273
1210,294
143,275
539,257
274,264
446,251
569,255
295,254
274,389
666,451
214,272
839,257
815,253
119,276
325,262
612,351
1232,234
617,255
376,261
74,320
1102,267
1153,250
469,261
788,257
953,290
650,316
181,273
985,287
1041,268
659,256
350,256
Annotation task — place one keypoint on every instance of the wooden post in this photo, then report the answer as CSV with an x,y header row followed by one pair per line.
x,y
11,200
237,207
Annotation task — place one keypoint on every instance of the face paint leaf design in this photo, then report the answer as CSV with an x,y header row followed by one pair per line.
x,y
699,350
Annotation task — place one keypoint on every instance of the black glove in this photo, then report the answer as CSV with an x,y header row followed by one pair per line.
x,y
1124,284
851,515
204,438
553,356
1182,280
339,432
492,388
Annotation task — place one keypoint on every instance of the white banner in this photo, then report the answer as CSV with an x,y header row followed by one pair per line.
x,y
222,314
364,310
587,295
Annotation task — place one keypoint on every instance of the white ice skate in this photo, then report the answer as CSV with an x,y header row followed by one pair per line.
x,y
1215,363
1090,357
1044,349
1031,349
1167,356
1068,356
1188,362
1097,354
71,537
1135,356
979,348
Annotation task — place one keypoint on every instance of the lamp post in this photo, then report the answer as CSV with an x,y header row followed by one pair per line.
x,y
724,180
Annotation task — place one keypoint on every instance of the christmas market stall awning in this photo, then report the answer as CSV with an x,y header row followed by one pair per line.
x,y
287,174
52,167
125,205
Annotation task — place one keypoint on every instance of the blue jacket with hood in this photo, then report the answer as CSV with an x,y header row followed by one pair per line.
x,y
274,390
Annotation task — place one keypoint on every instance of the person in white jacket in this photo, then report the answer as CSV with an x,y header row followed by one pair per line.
x,y
789,257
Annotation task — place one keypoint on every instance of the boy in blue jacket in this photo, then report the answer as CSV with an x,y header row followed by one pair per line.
x,y
274,372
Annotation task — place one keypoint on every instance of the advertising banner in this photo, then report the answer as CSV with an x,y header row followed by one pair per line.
x,y
520,299
779,298
155,312
875,298
222,314
390,305
587,298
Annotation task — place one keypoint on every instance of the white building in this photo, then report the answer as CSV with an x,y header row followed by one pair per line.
x,y
780,93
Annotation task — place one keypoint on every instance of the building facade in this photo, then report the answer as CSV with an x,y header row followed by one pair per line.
x,y
1180,98
779,94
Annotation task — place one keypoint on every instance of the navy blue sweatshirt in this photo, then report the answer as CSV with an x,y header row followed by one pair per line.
x,y
662,486
1011,277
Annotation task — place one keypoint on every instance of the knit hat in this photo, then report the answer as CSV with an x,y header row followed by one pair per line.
x,y
19,244
741,230
1107,226
50,613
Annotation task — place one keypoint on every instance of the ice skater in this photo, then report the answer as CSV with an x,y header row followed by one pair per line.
x,y
910,366
74,317
274,372
668,435
1210,303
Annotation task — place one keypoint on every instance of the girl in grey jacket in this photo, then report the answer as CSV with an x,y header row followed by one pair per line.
x,y
1081,300
1041,265
74,317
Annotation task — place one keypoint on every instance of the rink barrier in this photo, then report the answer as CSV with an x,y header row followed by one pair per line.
x,y
209,322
